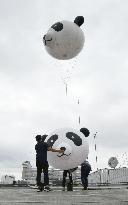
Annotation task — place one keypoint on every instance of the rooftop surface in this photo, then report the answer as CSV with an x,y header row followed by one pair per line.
x,y
103,195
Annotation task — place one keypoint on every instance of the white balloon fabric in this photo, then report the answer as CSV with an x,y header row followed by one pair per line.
x,y
75,145
65,39
112,162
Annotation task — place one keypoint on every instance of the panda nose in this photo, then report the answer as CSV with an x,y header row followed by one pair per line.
x,y
47,37
44,37
44,41
63,148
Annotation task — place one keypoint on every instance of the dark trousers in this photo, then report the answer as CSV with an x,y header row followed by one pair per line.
x,y
65,172
42,166
84,179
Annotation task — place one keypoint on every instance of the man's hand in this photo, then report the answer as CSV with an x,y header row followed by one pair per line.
x,y
55,150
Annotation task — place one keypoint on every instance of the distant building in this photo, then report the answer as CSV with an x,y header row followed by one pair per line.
x,y
28,173
102,176
7,179
109,176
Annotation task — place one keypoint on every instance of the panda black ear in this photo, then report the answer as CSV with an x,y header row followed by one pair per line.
x,y
79,20
85,131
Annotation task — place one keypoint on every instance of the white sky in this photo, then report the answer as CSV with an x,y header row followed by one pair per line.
x,y
32,90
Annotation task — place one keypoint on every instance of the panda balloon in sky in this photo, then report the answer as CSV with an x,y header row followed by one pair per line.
x,y
73,142
65,39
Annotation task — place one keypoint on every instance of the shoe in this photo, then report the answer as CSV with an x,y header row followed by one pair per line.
x,y
35,187
85,188
39,189
47,189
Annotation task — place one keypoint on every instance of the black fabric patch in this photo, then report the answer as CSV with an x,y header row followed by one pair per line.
x,y
52,140
79,20
57,26
75,138
85,131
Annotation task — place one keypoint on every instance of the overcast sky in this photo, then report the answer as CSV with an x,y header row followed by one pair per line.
x,y
32,83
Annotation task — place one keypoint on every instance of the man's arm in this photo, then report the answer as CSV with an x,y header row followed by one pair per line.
x,y
55,150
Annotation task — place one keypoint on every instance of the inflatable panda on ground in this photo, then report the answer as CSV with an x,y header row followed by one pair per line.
x,y
75,145
65,39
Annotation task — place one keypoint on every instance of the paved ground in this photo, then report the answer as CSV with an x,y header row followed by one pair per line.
x,y
26,196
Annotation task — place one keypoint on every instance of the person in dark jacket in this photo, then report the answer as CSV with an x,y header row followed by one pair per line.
x,y
85,170
41,161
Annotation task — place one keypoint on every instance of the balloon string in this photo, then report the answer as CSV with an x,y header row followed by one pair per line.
x,y
66,89
95,136
79,120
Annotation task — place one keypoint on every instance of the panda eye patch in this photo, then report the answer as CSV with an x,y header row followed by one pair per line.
x,y
57,26
52,140
75,138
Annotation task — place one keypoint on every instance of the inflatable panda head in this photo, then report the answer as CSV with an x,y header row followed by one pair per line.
x,y
65,39
73,142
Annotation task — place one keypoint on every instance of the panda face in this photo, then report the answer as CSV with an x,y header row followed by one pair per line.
x,y
64,40
75,145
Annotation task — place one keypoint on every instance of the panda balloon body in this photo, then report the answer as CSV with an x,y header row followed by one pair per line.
x,y
65,39
73,142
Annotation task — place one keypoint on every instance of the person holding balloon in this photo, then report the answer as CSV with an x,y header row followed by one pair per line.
x,y
41,162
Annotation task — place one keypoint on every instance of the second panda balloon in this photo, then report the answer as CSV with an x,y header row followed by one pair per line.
x,y
65,39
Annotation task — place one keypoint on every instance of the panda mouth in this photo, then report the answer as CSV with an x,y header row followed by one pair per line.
x,y
45,41
63,154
